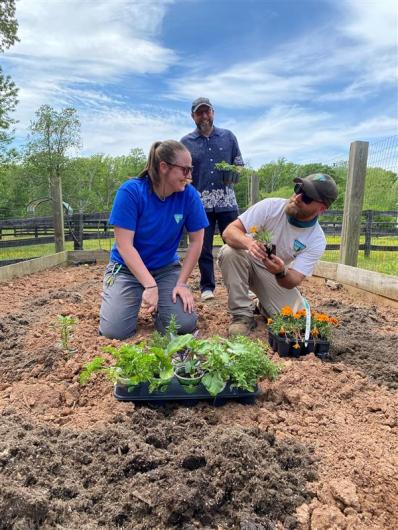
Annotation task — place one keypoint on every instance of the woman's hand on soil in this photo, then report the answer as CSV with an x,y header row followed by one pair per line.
x,y
186,296
150,298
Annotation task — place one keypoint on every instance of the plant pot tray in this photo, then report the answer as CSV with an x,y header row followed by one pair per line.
x,y
284,346
175,392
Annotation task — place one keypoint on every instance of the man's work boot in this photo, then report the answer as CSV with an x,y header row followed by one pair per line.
x,y
241,325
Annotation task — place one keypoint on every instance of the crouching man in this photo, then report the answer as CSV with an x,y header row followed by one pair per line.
x,y
299,240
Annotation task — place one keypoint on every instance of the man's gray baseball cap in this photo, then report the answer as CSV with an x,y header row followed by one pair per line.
x,y
199,102
320,187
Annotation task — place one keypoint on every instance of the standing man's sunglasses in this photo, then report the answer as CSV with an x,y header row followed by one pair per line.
x,y
298,190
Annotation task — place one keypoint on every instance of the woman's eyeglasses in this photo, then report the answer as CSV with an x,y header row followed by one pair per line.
x,y
298,190
186,170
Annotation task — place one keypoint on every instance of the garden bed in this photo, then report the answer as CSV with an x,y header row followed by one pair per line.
x,y
318,446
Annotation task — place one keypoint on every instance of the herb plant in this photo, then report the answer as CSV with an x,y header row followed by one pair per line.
x,y
239,362
65,325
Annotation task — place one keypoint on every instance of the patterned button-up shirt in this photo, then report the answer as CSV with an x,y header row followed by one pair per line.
x,y
220,146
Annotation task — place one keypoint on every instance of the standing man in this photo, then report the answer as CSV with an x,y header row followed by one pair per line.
x,y
299,240
208,146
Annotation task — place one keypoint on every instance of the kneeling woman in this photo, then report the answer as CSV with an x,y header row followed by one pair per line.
x,y
149,214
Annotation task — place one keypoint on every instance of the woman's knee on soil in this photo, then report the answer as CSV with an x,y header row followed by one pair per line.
x,y
115,329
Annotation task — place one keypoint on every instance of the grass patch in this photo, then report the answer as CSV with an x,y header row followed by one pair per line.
x,y
379,261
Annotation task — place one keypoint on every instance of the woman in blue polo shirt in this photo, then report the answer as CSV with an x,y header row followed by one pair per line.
x,y
149,214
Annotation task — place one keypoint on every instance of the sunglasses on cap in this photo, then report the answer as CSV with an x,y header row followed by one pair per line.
x,y
298,190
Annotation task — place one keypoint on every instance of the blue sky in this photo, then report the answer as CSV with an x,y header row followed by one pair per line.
x,y
296,79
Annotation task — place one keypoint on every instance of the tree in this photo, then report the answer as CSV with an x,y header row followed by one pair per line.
x,y
53,135
8,90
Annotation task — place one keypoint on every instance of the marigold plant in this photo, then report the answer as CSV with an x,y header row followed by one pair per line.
x,y
289,324
260,234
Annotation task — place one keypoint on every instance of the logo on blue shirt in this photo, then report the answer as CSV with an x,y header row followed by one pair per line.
x,y
298,245
178,217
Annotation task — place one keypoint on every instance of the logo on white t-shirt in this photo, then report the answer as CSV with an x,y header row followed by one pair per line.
x,y
298,246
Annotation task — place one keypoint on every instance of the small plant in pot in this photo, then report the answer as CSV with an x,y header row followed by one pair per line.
x,y
134,364
263,236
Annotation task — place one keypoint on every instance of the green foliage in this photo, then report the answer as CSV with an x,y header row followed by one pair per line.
x,y
239,362
8,90
53,135
95,365
8,25
249,363
261,235
65,325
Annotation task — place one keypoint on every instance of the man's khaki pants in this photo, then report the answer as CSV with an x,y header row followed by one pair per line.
x,y
241,273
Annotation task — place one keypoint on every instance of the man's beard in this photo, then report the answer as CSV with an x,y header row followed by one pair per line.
x,y
292,209
205,126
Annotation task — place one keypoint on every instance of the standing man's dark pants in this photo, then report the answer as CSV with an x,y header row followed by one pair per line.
x,y
206,262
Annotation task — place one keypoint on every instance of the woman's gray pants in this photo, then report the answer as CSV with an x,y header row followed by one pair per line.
x,y
121,302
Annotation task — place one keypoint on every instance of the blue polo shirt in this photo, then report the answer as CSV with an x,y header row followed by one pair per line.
x,y
157,225
220,146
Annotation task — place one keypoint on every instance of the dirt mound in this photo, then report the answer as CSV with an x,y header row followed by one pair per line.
x,y
164,468
73,457
365,341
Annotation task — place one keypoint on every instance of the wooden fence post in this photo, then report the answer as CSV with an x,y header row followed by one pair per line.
x,y
254,189
353,203
58,213
78,230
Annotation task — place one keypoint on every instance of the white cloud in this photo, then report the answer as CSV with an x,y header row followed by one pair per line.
x,y
356,50
92,39
116,132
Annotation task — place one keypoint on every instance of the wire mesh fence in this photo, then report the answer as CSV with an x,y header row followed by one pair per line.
x,y
32,236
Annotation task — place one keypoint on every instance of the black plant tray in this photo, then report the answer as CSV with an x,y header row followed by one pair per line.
x,y
284,346
175,392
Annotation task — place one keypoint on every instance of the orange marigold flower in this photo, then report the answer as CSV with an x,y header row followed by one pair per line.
x,y
253,229
322,318
286,311
296,346
302,312
333,320
315,332
297,315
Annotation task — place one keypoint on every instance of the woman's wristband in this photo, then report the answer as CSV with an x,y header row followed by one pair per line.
x,y
151,286
179,284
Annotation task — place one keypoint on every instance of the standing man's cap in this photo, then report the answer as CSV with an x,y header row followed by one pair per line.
x,y
199,102
320,187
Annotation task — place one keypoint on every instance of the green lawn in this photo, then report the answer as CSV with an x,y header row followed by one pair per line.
x,y
380,261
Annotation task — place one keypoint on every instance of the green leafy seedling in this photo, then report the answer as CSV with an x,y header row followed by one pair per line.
x,y
65,325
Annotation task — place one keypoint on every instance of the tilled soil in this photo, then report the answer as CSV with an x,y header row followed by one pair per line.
x,y
317,451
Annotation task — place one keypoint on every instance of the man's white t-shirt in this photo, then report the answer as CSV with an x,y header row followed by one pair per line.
x,y
299,248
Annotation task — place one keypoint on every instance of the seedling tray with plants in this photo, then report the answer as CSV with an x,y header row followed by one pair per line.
x,y
175,392
286,333
287,347
174,367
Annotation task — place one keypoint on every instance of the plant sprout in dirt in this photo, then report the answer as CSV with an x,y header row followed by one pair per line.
x,y
65,325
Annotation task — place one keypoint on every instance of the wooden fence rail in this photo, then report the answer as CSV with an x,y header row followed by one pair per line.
x,y
79,227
